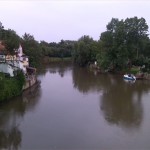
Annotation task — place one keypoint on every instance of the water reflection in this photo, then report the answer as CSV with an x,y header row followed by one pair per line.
x,y
54,67
10,139
11,116
86,81
121,105
120,102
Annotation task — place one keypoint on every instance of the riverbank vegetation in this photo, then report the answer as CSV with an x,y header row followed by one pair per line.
x,y
124,44
11,87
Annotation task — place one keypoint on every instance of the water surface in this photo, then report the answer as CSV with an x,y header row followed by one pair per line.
x,y
75,108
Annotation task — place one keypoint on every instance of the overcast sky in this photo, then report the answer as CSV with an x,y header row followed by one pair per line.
x,y
53,20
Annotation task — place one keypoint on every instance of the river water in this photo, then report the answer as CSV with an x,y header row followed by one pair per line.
x,y
74,108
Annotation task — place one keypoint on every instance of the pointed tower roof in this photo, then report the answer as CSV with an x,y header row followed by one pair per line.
x,y
20,51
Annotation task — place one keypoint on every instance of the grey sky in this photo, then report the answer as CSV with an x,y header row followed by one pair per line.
x,y
69,20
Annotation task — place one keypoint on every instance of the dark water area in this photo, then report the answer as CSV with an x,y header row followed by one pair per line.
x,y
74,108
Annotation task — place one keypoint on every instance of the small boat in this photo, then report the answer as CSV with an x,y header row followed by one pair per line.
x,y
129,77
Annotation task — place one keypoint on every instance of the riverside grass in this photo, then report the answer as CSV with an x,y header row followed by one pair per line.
x,y
58,59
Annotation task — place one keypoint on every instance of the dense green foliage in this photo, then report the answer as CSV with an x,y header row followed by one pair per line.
x,y
85,51
61,49
32,49
37,51
10,39
10,87
124,43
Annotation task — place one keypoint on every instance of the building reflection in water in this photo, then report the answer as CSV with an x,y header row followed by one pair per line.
x,y
11,115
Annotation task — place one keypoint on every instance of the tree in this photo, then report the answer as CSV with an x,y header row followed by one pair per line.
x,y
136,32
84,51
32,49
122,42
10,39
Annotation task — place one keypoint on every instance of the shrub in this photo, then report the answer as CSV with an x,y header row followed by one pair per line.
x,y
11,87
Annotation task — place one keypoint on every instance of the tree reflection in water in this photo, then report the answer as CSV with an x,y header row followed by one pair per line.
x,y
10,139
118,107
56,67
11,115
120,102
86,81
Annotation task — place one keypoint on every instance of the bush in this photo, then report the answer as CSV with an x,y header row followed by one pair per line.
x,y
11,87
20,78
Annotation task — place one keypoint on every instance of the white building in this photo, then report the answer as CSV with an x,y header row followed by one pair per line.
x,y
22,57
7,69
10,63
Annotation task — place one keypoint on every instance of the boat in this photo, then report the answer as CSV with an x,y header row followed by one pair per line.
x,y
129,77
129,81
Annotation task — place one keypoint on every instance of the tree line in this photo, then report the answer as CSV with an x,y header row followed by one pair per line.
x,y
32,48
123,44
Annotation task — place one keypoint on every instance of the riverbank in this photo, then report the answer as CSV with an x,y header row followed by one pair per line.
x,y
30,81
47,59
138,74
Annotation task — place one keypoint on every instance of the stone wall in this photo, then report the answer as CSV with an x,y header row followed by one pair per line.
x,y
30,81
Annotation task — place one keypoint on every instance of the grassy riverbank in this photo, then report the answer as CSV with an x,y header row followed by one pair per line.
x,y
47,60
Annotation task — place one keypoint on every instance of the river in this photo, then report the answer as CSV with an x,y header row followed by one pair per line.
x,y
74,108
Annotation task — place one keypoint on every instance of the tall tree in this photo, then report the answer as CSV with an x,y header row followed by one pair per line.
x,y
85,51
10,39
122,42
32,49
136,30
